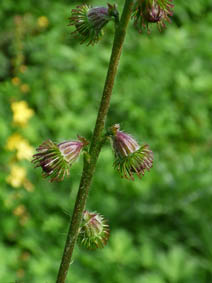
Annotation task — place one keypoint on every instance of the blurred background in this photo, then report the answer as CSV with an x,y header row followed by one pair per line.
x,y
50,87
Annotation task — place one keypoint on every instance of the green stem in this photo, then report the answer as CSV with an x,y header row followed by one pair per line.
x,y
95,147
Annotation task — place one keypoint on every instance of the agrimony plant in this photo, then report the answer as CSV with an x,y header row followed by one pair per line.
x,y
90,229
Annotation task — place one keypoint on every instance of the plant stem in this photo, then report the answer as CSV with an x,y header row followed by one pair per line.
x,y
95,147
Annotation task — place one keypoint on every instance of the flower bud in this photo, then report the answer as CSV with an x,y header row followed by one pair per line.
x,y
89,21
147,12
94,231
130,158
56,159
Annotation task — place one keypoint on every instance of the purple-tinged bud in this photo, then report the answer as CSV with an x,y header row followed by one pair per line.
x,y
56,159
123,143
94,231
147,12
89,21
130,158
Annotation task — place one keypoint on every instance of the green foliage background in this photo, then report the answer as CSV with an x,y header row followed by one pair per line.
x,y
161,226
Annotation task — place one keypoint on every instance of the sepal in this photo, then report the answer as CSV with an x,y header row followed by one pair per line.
x,y
135,163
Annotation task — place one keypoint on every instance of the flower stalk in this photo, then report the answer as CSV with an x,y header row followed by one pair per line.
x,y
96,142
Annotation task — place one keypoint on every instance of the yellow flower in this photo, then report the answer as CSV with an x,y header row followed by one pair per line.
x,y
17,142
14,141
43,22
28,186
17,176
24,151
16,81
24,88
20,273
23,220
22,68
19,210
21,113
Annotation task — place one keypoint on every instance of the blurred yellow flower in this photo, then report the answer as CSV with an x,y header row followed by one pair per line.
x,y
17,142
25,256
22,68
28,186
23,220
20,273
19,210
24,88
43,22
13,141
21,113
17,176
16,81
24,151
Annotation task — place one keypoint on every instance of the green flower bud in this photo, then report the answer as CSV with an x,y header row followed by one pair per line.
x,y
56,159
147,12
94,231
130,158
89,21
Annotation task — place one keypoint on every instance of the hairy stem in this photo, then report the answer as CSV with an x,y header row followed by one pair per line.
x,y
95,147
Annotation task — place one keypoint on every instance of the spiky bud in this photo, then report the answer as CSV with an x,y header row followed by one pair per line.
x,y
130,158
147,12
94,231
89,21
56,159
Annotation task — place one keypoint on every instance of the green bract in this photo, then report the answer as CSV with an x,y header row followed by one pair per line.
x,y
135,163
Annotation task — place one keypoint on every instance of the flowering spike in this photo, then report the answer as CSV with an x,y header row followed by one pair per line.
x,y
56,159
89,21
146,12
130,158
94,231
